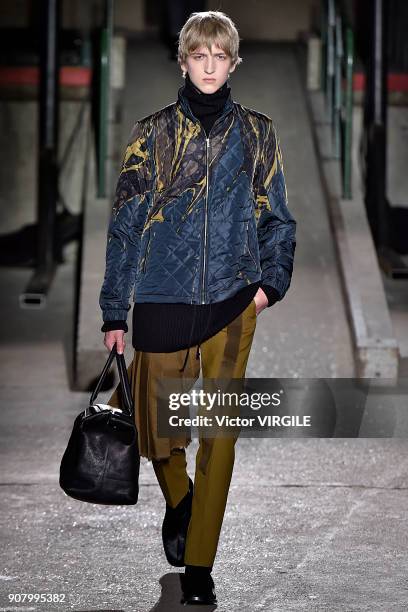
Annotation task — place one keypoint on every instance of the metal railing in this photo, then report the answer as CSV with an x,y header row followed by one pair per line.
x,y
104,87
337,82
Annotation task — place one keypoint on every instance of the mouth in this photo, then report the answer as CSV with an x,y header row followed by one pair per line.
x,y
209,80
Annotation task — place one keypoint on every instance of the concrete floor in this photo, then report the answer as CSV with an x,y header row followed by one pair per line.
x,y
311,524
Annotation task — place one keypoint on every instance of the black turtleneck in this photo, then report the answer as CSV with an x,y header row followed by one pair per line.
x,y
207,107
168,327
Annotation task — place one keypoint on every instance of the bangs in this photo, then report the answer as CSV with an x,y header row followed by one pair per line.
x,y
207,39
208,28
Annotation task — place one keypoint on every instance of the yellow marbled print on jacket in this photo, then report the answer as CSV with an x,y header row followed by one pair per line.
x,y
171,243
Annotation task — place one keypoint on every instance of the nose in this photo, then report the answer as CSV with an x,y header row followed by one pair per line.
x,y
209,65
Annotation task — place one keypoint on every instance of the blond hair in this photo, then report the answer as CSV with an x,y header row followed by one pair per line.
x,y
206,28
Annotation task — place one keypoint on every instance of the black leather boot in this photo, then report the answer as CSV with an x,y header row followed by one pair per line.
x,y
197,586
174,529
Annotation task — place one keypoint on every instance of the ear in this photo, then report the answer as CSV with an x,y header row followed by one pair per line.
x,y
232,67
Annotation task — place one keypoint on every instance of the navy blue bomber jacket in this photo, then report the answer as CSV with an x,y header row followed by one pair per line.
x,y
196,219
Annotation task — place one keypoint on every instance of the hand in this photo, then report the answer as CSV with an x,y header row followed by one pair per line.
x,y
261,301
118,336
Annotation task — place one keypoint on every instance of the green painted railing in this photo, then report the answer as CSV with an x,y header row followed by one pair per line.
x,y
337,82
104,90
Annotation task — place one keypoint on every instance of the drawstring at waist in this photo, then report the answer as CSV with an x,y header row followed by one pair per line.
x,y
191,334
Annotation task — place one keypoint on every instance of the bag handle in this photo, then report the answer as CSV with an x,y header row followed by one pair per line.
x,y
123,376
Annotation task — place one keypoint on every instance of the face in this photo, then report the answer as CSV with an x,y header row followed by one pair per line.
x,y
208,71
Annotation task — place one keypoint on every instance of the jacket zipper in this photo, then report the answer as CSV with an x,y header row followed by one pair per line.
x,y
207,140
207,186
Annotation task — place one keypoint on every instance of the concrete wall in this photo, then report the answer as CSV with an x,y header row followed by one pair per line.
x,y
255,19
129,15
80,14
268,19
14,13
18,168
75,13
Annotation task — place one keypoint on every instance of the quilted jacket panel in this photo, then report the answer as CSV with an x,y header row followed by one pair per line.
x,y
195,219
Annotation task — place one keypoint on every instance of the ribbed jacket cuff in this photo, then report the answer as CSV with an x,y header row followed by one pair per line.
x,y
114,325
271,293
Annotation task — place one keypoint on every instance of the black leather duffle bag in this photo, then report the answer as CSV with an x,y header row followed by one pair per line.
x,y
101,462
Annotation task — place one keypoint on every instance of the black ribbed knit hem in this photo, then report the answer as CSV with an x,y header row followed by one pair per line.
x,y
165,328
271,293
114,325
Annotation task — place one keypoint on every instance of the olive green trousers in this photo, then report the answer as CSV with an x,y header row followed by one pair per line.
x,y
224,355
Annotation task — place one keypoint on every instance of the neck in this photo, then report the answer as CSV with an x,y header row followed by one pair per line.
x,y
207,107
